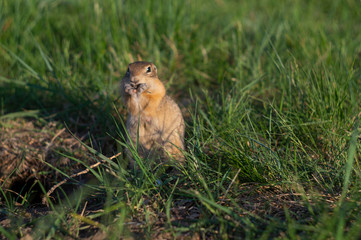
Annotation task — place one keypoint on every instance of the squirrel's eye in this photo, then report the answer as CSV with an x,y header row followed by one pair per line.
x,y
148,69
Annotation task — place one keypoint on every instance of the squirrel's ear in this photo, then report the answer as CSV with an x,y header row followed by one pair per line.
x,y
155,69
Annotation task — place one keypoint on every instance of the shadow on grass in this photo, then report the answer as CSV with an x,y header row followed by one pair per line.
x,y
76,109
37,125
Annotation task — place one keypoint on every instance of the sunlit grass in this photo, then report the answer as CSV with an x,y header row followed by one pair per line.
x,y
270,92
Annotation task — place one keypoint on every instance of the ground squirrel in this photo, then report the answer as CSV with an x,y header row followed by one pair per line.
x,y
151,112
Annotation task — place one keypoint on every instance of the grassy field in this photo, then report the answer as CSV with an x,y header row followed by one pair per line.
x,y
271,95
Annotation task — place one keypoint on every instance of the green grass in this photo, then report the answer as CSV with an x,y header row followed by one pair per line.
x,y
271,92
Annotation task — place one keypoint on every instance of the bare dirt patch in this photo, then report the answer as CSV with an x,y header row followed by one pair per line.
x,y
28,149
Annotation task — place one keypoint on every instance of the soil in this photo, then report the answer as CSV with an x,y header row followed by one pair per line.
x,y
28,149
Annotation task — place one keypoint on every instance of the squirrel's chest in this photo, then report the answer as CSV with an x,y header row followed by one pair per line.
x,y
144,124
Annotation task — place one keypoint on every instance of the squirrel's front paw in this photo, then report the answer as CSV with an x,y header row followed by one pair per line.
x,y
141,87
128,88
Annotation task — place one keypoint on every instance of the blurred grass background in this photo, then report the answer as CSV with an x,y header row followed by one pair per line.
x,y
270,91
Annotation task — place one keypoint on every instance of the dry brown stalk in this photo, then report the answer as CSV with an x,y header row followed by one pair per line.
x,y
44,200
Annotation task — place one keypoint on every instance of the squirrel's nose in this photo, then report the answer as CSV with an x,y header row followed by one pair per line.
x,y
134,80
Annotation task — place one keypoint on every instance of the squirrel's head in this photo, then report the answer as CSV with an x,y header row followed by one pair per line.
x,y
141,72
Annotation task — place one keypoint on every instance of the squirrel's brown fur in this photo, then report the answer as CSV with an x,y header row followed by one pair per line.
x,y
151,112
